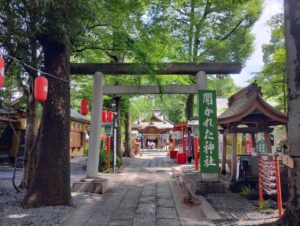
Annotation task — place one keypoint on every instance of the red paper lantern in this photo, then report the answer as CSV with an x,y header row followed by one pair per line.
x,y
1,81
84,108
40,88
2,68
110,116
104,116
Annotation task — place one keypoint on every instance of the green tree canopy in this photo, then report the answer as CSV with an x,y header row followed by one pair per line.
x,y
273,78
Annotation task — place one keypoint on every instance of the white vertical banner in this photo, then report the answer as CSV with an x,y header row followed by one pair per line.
x,y
220,145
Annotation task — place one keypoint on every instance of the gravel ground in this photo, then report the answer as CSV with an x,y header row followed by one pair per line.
x,y
11,214
237,210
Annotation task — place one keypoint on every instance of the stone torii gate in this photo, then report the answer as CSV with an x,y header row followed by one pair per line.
x,y
200,70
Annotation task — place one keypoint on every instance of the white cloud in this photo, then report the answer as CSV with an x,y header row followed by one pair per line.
x,y
262,35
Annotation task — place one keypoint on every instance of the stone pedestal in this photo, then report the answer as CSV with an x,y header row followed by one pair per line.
x,y
94,185
197,186
203,188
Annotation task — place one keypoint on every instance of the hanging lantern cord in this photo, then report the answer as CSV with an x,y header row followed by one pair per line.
x,y
27,65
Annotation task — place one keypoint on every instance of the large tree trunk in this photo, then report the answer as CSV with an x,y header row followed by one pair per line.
x,y
292,32
51,180
127,151
189,107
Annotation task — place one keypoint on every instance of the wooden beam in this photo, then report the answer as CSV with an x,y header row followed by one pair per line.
x,y
150,89
253,140
268,142
162,68
223,168
247,130
234,158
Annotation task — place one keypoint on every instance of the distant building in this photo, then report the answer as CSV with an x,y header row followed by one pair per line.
x,y
155,131
11,143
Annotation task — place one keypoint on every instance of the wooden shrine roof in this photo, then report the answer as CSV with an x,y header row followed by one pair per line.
x,y
247,107
157,120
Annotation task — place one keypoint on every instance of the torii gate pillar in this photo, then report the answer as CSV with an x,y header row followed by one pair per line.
x,y
93,183
94,141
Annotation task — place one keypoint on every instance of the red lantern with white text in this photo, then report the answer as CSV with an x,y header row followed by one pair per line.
x,y
104,116
40,88
110,116
2,68
84,108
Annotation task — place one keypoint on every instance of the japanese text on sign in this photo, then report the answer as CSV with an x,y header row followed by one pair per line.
x,y
208,132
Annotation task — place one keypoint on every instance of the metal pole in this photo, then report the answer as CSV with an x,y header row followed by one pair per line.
x,y
115,148
94,142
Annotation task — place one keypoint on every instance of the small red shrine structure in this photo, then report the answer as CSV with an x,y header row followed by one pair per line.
x,y
154,130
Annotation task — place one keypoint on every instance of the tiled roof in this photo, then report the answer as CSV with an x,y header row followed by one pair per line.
x,y
248,101
157,120
78,117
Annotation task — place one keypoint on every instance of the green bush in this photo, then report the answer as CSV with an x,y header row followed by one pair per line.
x,y
246,190
102,161
119,161
86,151
264,205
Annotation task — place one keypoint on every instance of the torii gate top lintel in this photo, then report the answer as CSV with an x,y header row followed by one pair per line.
x,y
98,70
163,68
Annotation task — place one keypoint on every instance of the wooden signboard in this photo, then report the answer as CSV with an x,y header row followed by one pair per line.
x,y
288,161
208,132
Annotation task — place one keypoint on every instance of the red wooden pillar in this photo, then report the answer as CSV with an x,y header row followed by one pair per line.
x,y
278,185
196,148
260,185
107,152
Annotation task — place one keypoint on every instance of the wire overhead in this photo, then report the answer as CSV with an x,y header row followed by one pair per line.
x,y
35,69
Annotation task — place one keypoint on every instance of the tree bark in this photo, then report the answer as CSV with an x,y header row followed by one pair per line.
x,y
189,107
127,151
191,29
51,181
292,33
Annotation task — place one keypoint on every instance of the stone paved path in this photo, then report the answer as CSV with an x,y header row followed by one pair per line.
x,y
144,193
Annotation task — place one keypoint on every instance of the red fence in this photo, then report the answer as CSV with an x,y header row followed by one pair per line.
x,y
269,179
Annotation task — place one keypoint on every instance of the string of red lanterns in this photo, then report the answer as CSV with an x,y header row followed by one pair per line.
x,y
107,116
41,91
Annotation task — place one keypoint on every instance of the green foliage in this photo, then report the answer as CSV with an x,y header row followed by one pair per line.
x,y
264,205
119,161
224,87
86,151
273,77
142,106
246,190
102,160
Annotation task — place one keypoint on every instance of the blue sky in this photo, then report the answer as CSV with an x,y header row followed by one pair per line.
x,y
262,35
